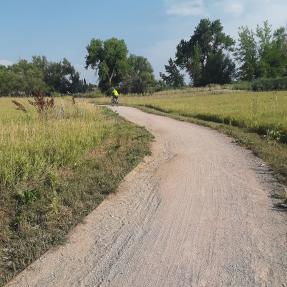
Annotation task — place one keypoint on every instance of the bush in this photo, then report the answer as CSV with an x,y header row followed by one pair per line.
x,y
269,84
96,93
242,86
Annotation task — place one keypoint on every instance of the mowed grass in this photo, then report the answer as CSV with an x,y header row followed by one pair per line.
x,y
56,169
257,120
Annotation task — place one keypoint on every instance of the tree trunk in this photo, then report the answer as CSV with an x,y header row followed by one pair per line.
x,y
112,75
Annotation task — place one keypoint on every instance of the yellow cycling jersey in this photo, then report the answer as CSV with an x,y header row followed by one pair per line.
x,y
115,93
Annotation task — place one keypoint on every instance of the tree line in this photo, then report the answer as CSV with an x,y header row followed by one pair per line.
x,y
116,68
26,78
212,57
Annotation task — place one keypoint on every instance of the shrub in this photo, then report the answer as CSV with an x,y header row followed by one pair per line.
x,y
42,104
269,84
241,86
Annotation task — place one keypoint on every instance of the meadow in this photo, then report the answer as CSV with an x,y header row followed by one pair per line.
x,y
264,113
57,167
257,120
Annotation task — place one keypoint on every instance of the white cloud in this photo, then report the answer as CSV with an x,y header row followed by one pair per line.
x,y
6,63
185,8
273,11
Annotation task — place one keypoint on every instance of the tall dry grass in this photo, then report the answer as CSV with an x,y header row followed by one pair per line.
x,y
54,170
29,145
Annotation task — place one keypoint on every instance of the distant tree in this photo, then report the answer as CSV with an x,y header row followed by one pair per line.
x,y
109,59
246,54
208,45
139,78
42,63
272,51
6,81
264,35
173,78
262,54
219,69
60,76
279,53
159,85
25,78
264,46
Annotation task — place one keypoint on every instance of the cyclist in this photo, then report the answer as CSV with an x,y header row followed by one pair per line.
x,y
115,96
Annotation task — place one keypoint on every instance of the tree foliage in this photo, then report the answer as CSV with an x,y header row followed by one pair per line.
x,y
60,76
139,78
262,54
110,60
173,77
22,78
207,47
246,54
25,78
115,68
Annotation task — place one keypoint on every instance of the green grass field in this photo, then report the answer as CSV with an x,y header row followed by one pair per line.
x,y
257,120
55,170
265,113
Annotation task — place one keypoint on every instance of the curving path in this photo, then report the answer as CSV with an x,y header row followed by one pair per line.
x,y
196,213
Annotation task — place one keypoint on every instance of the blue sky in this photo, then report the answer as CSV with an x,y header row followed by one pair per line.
x,y
151,28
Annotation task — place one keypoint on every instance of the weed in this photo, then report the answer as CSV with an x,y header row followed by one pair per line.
x,y
19,106
42,104
274,135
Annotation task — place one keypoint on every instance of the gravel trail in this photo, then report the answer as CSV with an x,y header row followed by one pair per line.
x,y
196,213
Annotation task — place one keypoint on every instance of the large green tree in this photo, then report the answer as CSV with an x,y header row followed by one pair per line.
x,y
140,77
22,78
246,54
172,78
109,59
60,76
262,54
208,46
271,51
63,77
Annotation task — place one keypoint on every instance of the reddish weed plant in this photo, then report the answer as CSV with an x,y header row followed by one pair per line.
x,y
19,106
42,104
